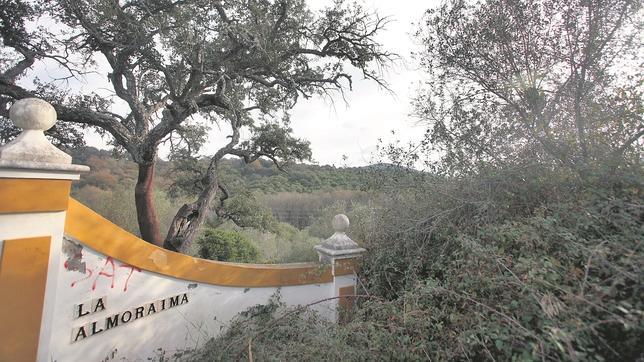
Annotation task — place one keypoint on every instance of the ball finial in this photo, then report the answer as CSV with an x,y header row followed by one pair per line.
x,y
33,114
340,223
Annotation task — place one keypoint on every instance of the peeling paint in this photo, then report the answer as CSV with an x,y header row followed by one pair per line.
x,y
246,290
192,285
74,253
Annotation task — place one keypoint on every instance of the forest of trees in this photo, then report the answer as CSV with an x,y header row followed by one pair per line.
x,y
295,196
180,68
512,231
274,209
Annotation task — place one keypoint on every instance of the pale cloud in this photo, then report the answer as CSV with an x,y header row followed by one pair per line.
x,y
371,114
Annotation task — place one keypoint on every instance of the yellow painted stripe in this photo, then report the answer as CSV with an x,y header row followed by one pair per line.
x,y
347,299
23,276
346,266
103,236
33,195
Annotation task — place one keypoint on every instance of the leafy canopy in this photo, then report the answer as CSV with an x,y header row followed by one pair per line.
x,y
227,246
176,68
552,80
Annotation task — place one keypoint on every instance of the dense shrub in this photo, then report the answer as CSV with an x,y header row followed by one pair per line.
x,y
480,273
226,246
284,244
273,332
562,284
543,266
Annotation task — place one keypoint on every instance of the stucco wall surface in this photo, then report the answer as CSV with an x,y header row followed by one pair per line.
x,y
86,275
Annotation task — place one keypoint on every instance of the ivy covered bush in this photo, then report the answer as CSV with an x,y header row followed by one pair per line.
x,y
465,276
562,284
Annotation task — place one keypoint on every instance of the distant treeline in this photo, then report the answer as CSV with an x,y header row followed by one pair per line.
x,y
109,171
296,197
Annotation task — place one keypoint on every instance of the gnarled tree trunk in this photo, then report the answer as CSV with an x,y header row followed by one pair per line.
x,y
191,217
145,211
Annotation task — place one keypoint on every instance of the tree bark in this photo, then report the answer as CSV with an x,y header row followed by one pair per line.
x,y
191,217
145,210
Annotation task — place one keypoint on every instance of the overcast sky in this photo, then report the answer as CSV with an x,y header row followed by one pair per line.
x,y
341,134
353,129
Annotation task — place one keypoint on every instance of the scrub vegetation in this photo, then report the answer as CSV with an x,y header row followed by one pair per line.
x,y
513,231
523,241
283,226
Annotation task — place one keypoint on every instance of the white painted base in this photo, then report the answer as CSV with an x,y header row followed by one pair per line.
x,y
187,326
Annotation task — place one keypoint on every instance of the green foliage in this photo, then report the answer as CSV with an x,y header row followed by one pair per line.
x,y
276,142
283,244
260,176
562,283
226,246
263,175
445,281
548,80
245,210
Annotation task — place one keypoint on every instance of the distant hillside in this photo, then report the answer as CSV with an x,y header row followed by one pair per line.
x,y
297,196
107,172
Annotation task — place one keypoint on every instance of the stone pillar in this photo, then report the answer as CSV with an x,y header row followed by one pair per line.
x,y
343,254
35,182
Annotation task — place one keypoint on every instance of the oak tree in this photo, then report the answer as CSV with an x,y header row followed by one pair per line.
x,y
176,67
